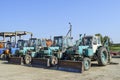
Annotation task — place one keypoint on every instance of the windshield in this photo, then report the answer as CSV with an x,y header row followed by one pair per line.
x,y
58,41
22,43
87,41
10,44
63,41
32,42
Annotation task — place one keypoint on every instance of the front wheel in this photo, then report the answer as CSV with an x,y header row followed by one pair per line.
x,y
3,56
53,60
87,63
27,59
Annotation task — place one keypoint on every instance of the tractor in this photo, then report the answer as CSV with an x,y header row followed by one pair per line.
x,y
51,51
11,48
28,49
89,48
8,50
35,44
47,51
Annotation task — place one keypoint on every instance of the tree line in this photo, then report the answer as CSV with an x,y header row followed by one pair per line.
x,y
104,38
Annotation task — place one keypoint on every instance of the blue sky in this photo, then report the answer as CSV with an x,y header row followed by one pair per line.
x,y
47,18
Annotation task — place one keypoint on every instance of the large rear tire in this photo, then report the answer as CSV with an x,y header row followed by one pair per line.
x,y
27,59
87,63
102,56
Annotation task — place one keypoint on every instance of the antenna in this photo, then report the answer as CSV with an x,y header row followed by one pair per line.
x,y
70,30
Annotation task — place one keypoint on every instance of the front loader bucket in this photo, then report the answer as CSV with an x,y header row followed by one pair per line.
x,y
15,60
40,62
72,66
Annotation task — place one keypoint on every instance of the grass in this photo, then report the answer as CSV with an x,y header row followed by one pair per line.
x,y
115,48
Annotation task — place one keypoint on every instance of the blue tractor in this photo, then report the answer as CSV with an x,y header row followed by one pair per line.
x,y
9,50
10,47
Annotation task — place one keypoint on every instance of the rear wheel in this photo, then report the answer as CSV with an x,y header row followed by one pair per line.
x,y
102,56
87,63
27,59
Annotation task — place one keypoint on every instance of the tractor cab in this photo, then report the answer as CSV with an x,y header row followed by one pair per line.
x,y
88,45
10,44
34,41
47,49
22,43
12,47
85,46
63,42
24,46
92,42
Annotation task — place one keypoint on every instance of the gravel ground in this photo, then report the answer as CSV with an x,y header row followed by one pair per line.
x,y
18,72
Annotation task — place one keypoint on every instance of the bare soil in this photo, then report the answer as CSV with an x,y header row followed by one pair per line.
x,y
18,72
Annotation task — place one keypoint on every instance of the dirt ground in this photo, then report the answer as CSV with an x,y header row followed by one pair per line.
x,y
18,72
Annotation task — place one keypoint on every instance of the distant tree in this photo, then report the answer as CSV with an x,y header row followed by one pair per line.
x,y
104,38
100,37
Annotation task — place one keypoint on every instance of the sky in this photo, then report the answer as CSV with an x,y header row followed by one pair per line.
x,y
45,18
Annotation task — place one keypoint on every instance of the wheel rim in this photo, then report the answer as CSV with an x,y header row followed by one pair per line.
x,y
27,60
54,61
2,56
104,56
86,64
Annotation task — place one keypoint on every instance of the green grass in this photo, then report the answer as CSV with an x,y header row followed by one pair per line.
x,y
115,48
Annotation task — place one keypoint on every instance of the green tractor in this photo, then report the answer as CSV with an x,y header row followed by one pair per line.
x,y
89,48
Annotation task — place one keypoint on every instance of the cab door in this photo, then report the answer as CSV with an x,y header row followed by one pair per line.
x,y
96,43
